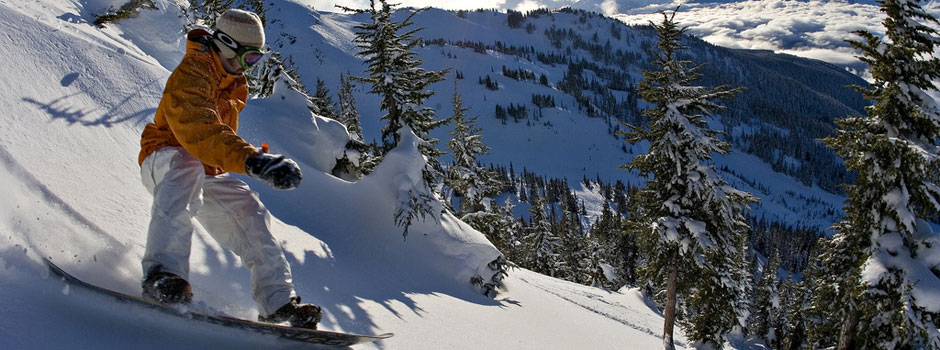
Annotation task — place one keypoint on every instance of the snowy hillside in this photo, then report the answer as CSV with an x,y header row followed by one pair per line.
x,y
480,45
77,99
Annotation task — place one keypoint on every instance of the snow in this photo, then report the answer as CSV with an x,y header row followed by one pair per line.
x,y
897,199
915,268
698,230
68,152
315,140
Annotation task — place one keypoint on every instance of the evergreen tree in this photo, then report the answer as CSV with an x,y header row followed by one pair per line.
x,y
262,83
688,218
743,275
617,248
540,243
883,284
359,157
348,113
793,335
322,101
263,77
514,18
575,250
834,272
206,12
468,179
395,73
767,303
513,226
494,225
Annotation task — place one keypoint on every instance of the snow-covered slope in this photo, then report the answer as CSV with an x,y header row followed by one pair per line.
x,y
562,142
77,100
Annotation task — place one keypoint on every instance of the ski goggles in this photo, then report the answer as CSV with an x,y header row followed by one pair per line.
x,y
247,55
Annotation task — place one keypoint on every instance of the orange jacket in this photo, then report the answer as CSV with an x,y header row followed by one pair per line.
x,y
199,111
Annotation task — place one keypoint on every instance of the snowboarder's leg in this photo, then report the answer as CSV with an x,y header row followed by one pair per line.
x,y
175,179
235,217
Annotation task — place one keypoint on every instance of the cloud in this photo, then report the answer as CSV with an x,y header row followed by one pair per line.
x,y
609,7
842,56
457,4
529,5
814,29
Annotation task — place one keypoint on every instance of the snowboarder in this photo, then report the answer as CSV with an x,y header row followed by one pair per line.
x,y
186,157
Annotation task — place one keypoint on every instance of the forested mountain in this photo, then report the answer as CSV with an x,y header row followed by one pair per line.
x,y
551,88
558,83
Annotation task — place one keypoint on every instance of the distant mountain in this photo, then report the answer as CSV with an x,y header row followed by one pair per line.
x,y
610,7
627,6
814,29
588,65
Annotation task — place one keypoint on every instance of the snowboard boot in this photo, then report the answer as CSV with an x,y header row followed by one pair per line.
x,y
167,288
295,313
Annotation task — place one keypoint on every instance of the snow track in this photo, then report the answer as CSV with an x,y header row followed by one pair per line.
x,y
605,303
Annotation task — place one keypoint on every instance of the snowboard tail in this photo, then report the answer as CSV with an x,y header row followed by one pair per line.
x,y
305,335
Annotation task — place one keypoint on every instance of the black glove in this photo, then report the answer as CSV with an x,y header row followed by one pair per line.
x,y
274,170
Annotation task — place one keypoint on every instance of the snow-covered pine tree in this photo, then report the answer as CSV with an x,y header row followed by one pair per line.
x,y
889,276
743,274
348,113
540,245
262,78
767,304
499,227
689,219
322,101
617,248
394,72
575,250
835,274
206,12
514,227
793,334
466,177
360,158
261,82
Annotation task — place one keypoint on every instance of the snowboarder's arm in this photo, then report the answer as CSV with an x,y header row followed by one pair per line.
x,y
194,119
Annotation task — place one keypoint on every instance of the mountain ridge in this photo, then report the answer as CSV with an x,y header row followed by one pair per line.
x,y
481,45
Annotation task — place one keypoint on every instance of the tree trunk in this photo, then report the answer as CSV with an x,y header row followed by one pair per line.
x,y
670,312
847,335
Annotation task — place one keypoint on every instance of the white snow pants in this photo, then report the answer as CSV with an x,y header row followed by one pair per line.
x,y
226,208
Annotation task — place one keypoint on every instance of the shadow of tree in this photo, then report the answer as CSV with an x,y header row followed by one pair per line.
x,y
60,108
69,79
72,18
350,288
360,283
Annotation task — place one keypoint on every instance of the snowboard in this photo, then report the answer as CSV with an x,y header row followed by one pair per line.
x,y
304,335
